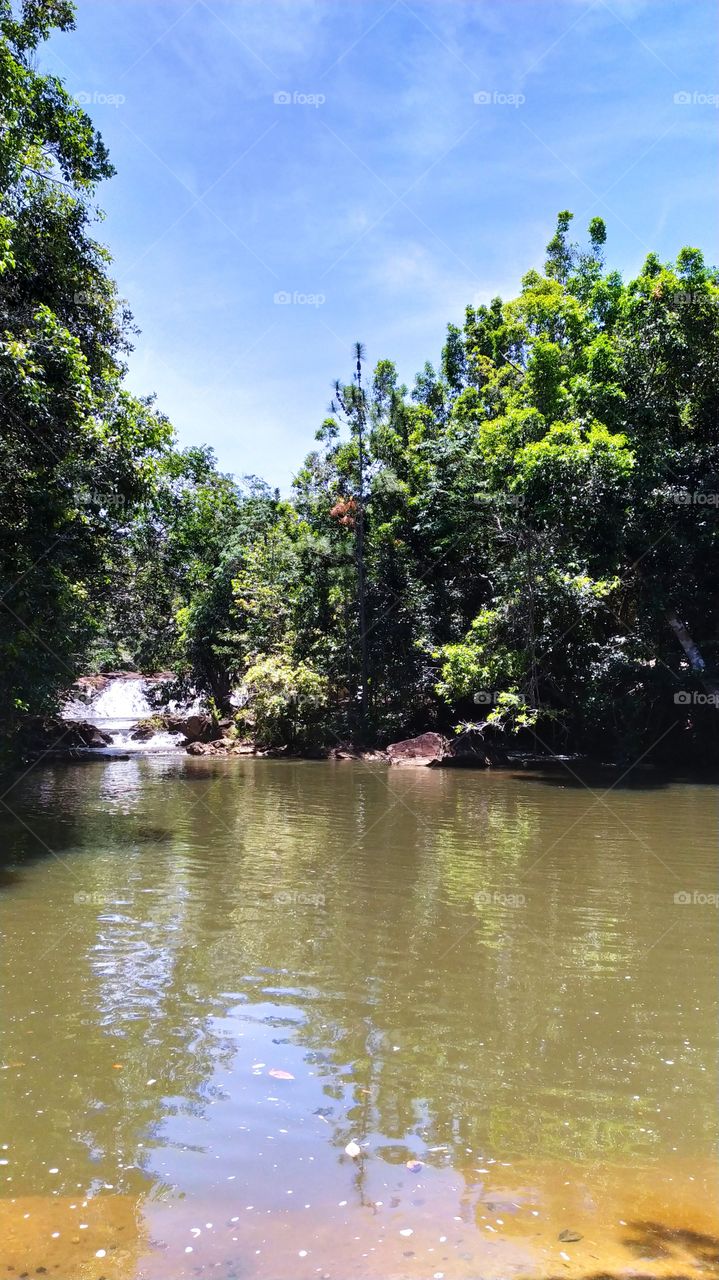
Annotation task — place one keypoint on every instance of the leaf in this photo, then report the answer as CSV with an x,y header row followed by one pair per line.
x,y
279,1074
569,1237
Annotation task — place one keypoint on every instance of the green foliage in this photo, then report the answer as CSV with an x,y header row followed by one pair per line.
x,y
77,449
286,703
519,524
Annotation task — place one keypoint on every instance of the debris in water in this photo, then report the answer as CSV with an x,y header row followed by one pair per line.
x,y
279,1074
414,1166
352,1149
570,1237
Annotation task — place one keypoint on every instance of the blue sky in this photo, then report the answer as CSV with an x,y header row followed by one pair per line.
x,y
382,197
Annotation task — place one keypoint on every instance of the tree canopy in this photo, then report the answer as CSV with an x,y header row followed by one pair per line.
x,y
525,537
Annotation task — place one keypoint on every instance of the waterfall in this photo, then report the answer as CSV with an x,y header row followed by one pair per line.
x,y
118,705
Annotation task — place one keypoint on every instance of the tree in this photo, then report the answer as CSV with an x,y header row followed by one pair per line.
x,y
78,451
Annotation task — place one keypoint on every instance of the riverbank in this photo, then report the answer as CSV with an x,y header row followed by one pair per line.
x,y
126,713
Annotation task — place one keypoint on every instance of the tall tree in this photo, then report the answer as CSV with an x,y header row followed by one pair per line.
x,y
78,450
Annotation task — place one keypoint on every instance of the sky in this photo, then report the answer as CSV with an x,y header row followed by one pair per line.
x,y
294,175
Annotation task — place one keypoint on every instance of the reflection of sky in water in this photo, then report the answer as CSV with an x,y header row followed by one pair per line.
x,y
120,786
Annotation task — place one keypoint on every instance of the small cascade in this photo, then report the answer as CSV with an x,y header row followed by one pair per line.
x,y
116,706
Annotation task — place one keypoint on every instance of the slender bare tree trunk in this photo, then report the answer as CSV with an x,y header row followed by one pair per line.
x,y
693,653
359,543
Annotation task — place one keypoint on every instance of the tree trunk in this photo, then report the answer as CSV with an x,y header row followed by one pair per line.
x,y
693,653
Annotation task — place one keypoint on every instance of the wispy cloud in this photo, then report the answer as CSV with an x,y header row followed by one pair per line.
x,y
375,179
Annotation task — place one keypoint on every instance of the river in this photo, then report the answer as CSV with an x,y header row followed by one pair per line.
x,y
219,974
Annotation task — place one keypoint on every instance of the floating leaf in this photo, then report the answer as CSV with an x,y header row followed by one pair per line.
x,y
279,1074
569,1237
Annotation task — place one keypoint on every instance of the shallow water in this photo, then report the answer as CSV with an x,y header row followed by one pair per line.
x,y
487,974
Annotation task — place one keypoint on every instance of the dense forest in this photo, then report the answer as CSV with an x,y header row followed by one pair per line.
x,y
526,537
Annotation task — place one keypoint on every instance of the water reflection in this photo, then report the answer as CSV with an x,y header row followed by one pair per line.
x,y
483,975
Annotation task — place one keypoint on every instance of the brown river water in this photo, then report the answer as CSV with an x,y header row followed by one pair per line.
x,y
217,974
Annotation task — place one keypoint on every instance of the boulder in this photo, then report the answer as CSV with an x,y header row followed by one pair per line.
x,y
477,748
94,737
43,734
82,734
427,749
196,728
145,730
198,749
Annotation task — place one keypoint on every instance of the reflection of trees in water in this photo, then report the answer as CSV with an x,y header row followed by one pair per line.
x,y
433,1017
114,1003
688,1253
657,1240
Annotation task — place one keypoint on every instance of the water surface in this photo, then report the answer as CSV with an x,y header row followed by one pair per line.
x,y
487,974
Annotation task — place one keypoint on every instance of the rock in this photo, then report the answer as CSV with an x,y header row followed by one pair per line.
x,y
92,736
146,729
78,733
196,728
472,749
198,749
427,749
91,684
345,751
42,734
